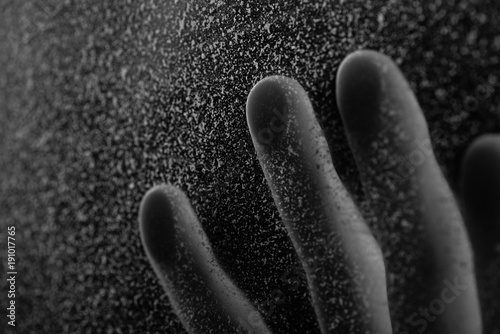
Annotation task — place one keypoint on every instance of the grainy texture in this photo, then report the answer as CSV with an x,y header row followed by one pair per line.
x,y
100,100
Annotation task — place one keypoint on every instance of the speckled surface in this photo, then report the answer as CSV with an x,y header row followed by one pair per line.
x,y
100,100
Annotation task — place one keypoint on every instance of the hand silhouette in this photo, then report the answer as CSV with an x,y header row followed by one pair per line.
x,y
357,281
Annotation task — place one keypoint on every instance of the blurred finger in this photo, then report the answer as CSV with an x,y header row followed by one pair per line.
x,y
481,200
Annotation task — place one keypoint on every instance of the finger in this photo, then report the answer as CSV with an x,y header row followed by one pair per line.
x,y
342,262
202,295
417,221
481,200
481,194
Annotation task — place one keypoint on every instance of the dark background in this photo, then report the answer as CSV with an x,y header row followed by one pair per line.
x,y
102,99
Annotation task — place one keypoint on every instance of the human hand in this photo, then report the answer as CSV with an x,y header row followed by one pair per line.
x,y
366,274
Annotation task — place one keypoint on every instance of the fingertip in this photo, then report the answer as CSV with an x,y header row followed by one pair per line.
x,y
383,120
481,173
268,108
484,148
367,82
364,68
156,223
266,94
